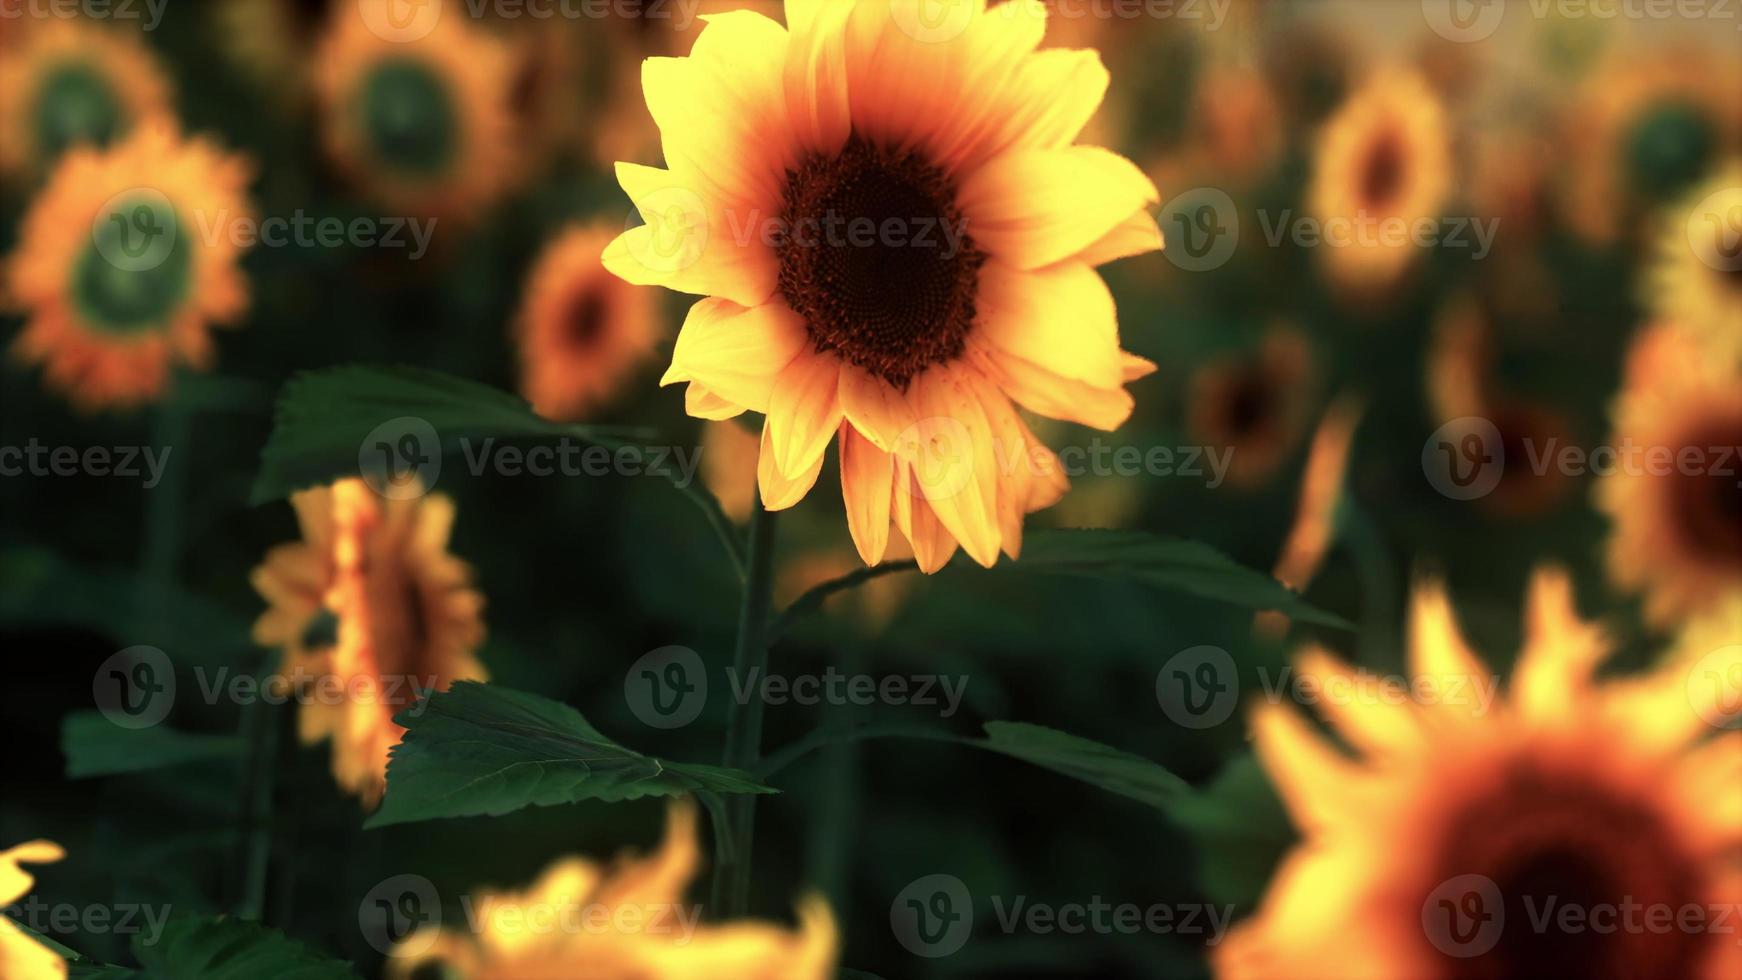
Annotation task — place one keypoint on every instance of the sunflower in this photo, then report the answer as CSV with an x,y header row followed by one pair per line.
x,y
1435,851
1382,165
897,238
582,330
1236,123
125,259
1673,495
1257,405
20,955
369,603
1649,126
581,921
1460,384
423,122
1697,281
66,83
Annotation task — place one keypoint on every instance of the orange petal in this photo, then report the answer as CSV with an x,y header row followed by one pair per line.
x,y
778,491
1036,207
1061,316
736,352
867,475
804,411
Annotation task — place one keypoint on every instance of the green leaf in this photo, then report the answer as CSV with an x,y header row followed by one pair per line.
x,y
482,749
96,746
1096,764
324,418
199,948
1174,564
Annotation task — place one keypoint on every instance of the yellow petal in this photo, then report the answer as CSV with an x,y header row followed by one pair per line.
x,y
692,241
1375,722
932,543
1035,207
804,411
1061,316
15,882
876,409
867,481
816,74
1136,235
951,458
25,958
735,352
1561,651
778,491
699,402
1046,393
1134,367
1312,778
1438,653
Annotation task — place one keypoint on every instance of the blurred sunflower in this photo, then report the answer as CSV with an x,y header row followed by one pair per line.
x,y
125,259
554,929
1236,123
1322,490
1433,852
1648,127
581,329
975,286
422,123
1673,496
1382,164
1461,384
20,955
1258,405
369,609
1697,281
67,83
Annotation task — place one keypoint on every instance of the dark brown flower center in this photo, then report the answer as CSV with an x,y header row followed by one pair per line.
x,y
583,318
1382,171
1251,406
1573,873
875,257
1707,498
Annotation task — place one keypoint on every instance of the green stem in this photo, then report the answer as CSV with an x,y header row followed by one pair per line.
x,y
165,507
731,891
833,827
260,729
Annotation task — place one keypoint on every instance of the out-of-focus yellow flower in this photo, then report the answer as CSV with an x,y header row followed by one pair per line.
x,y
1382,165
1697,280
371,611
1461,384
1321,495
1255,405
20,955
1649,126
582,921
67,83
1236,124
126,259
894,271
581,329
1672,495
1433,851
420,121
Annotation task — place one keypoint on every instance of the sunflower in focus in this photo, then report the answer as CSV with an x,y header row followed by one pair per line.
x,y
1382,164
125,259
1697,281
898,243
633,925
20,955
370,611
422,121
1432,851
1649,126
1673,496
582,330
1257,405
65,83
